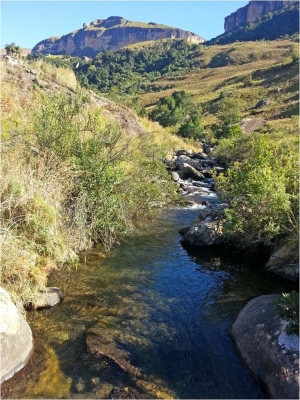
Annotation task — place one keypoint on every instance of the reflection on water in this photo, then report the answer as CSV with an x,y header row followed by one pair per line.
x,y
165,310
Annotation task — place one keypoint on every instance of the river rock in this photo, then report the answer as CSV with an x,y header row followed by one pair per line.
x,y
16,338
183,231
182,152
191,172
119,393
175,176
101,344
47,298
270,355
285,263
178,161
207,230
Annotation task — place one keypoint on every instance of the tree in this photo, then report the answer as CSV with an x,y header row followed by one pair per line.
x,y
12,49
180,110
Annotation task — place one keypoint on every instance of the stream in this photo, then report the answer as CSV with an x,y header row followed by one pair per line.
x,y
167,308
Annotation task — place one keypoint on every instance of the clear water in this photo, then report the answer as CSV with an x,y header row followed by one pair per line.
x,y
170,309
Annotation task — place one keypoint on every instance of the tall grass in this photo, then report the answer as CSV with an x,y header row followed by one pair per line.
x,y
62,76
35,231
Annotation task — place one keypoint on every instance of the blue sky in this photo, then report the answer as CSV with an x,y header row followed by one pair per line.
x,y
28,22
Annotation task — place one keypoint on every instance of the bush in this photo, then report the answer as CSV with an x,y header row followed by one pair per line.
x,y
181,111
288,309
261,192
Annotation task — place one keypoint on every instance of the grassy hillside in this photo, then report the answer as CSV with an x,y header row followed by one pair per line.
x,y
249,71
153,71
69,173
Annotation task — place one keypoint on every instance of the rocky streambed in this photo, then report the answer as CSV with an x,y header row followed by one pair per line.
x,y
153,320
259,333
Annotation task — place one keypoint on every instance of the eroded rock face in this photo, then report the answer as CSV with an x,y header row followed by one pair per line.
x,y
16,338
110,34
251,12
270,355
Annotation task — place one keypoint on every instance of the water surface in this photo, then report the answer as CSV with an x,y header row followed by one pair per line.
x,y
170,309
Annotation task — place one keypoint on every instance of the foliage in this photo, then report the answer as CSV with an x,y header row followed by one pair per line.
x,y
103,207
131,70
179,109
13,49
288,309
261,190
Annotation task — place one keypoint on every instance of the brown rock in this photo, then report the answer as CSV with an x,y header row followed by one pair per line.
x,y
251,12
112,34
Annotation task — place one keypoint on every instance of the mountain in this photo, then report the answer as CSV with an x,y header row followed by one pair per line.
x,y
252,12
112,34
242,26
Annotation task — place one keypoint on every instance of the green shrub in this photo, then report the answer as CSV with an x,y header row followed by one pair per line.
x,y
181,111
288,309
261,190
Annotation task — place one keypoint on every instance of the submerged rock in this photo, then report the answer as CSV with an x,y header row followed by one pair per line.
x,y
102,345
16,338
47,298
119,393
270,355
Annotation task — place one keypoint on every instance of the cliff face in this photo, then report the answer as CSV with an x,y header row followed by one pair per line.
x,y
110,34
251,12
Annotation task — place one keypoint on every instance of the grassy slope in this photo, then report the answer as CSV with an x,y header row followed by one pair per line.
x,y
227,66
37,232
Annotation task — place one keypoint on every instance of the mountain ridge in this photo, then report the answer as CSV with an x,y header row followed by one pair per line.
x,y
111,34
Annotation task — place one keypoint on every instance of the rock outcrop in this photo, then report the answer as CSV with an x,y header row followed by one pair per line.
x,y
270,355
16,338
251,12
110,34
207,230
284,262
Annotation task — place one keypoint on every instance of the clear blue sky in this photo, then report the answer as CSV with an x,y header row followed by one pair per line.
x,y
28,22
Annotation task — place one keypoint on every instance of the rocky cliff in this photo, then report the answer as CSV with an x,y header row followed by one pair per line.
x,y
110,34
252,11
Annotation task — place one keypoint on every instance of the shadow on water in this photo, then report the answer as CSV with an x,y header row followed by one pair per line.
x,y
166,311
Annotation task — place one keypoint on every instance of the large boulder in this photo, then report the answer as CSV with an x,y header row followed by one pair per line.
x,y
191,172
268,352
16,338
249,125
207,230
285,263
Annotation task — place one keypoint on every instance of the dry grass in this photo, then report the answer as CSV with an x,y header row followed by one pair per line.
x,y
35,233
62,76
268,63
